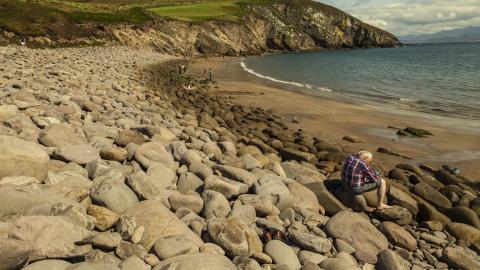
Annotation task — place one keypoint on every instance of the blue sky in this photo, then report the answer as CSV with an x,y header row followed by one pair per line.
x,y
403,17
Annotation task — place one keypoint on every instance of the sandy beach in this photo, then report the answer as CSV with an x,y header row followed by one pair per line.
x,y
331,116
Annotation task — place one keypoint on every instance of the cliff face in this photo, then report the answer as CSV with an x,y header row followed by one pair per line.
x,y
266,28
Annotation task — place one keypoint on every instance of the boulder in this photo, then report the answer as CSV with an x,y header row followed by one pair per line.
x,y
398,236
463,231
215,205
431,195
58,135
428,213
211,148
275,187
199,169
22,158
292,154
389,260
126,249
14,253
229,188
196,261
326,199
106,240
104,218
51,236
114,153
110,191
311,242
127,136
228,148
357,231
178,149
447,178
262,204
206,121
191,200
189,157
246,162
158,222
463,215
304,197
403,199
237,174
281,253
164,136
151,153
459,258
234,237
189,182
343,246
294,169
245,213
306,257
397,214
80,154
398,175
173,245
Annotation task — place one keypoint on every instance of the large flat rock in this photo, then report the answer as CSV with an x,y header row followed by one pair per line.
x,y
22,158
357,231
158,222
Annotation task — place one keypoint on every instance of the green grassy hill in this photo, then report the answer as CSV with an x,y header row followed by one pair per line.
x,y
40,17
179,26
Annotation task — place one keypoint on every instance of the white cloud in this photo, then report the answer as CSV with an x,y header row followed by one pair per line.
x,y
414,17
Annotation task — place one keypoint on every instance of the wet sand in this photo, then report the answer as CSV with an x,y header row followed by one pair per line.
x,y
331,116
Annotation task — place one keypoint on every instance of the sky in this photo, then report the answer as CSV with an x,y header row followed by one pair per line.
x,y
403,17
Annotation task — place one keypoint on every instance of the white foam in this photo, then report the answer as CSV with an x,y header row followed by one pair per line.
x,y
325,89
251,71
406,100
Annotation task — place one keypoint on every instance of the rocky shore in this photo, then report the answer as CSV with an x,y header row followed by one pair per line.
x,y
108,162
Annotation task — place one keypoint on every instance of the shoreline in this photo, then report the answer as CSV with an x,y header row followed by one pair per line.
x,y
369,122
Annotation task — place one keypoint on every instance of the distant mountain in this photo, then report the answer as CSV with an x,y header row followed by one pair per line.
x,y
467,34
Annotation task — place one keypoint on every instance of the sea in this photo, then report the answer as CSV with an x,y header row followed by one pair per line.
x,y
434,78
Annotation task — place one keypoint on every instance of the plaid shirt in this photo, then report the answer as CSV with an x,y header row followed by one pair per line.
x,y
356,172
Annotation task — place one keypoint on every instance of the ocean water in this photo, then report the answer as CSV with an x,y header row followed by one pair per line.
x,y
435,78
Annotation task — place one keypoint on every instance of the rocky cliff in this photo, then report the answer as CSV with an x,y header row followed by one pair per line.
x,y
265,28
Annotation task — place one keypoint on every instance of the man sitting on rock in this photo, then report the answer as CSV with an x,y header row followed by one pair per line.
x,y
358,177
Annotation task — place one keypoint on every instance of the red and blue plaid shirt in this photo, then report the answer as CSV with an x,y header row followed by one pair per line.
x,y
356,172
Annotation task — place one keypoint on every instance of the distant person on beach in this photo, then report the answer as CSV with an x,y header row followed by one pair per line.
x,y
182,69
23,41
210,70
358,177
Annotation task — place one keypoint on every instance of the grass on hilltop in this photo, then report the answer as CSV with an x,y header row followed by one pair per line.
x,y
198,12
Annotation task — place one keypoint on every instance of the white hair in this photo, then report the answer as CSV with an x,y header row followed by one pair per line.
x,y
365,154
